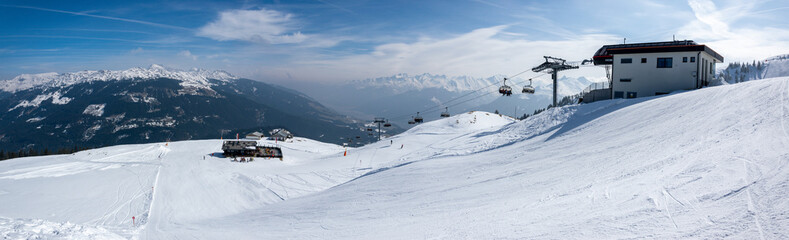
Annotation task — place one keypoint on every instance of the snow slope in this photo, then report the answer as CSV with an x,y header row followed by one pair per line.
x,y
710,163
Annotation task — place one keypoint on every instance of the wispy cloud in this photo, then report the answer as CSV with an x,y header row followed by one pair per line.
x,y
253,25
489,4
714,26
93,30
187,54
99,16
136,50
481,52
335,6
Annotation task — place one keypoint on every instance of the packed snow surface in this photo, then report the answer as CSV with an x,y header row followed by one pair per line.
x,y
706,164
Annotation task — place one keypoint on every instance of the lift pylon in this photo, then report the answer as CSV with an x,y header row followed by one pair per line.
x,y
554,65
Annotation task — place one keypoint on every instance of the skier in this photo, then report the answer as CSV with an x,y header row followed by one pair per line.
x,y
401,146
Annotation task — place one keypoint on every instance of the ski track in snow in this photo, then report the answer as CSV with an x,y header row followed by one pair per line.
x,y
687,165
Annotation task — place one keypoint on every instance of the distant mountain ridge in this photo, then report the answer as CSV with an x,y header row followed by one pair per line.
x,y
403,82
197,78
139,105
403,95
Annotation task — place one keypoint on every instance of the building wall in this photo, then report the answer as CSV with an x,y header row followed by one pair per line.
x,y
646,79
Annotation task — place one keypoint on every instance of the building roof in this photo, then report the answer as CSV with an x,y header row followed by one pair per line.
x,y
259,134
237,144
279,132
607,51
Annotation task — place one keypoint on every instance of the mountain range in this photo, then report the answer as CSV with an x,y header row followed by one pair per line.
x,y
138,105
401,96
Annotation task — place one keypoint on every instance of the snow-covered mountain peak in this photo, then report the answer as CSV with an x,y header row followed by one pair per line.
x,y
402,82
196,78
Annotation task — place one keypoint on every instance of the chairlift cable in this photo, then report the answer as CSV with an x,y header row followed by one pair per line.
x,y
437,107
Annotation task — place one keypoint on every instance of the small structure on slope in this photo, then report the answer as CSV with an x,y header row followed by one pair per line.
x,y
255,136
280,134
247,148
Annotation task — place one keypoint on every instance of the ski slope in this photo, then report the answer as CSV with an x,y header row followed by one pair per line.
x,y
709,163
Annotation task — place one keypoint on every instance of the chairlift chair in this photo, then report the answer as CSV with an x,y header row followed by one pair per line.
x,y
411,121
445,113
418,118
528,89
387,124
505,90
369,129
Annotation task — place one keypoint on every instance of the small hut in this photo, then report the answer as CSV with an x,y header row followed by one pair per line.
x,y
280,134
255,136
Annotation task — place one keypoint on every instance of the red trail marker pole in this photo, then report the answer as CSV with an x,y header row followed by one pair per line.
x,y
133,221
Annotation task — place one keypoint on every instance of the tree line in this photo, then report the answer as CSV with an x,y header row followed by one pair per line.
x,y
30,152
737,72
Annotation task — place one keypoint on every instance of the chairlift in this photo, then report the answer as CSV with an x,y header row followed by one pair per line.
x,y
358,137
411,121
505,90
528,89
445,113
369,129
387,124
418,119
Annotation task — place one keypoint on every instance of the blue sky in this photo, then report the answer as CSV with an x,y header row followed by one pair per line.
x,y
331,40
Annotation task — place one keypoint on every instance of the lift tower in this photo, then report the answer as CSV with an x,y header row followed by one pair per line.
x,y
379,121
554,65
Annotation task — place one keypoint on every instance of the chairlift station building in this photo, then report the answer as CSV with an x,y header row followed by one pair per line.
x,y
655,68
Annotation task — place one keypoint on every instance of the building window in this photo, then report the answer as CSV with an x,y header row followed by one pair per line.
x,y
619,94
643,60
664,62
631,94
626,60
625,79
692,59
712,68
684,59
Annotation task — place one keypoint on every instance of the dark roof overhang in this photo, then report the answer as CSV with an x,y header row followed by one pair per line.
x,y
605,54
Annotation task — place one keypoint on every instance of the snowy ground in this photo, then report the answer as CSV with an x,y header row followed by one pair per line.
x,y
710,163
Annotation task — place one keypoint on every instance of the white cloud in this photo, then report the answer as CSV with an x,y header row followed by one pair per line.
x,y
136,50
436,101
481,53
188,54
715,27
253,25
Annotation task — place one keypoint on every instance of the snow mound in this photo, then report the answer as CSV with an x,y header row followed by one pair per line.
x,y
41,229
470,121
195,78
94,109
55,96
